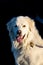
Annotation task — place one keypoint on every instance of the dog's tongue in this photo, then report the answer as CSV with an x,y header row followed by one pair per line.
x,y
19,39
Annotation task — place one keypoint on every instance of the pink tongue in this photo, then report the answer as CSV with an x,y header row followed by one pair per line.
x,y
19,39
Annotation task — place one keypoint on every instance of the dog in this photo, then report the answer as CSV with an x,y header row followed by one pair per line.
x,y
27,44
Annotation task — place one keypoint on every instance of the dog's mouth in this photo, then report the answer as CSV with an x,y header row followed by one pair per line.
x,y
19,38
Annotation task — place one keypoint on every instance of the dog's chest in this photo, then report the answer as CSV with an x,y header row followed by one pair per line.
x,y
35,55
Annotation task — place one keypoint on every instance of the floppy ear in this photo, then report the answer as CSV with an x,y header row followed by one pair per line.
x,y
10,23
31,23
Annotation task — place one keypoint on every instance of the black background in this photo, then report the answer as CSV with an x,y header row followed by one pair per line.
x,y
9,9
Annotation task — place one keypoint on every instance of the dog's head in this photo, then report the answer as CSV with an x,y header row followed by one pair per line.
x,y
19,29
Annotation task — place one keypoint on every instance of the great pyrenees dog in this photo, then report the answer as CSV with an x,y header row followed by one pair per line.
x,y
27,44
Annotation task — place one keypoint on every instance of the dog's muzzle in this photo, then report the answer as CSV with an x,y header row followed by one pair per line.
x,y
19,38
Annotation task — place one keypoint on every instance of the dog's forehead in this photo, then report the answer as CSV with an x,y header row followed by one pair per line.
x,y
21,21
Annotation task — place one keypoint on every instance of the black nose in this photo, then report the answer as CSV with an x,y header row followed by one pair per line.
x,y
19,32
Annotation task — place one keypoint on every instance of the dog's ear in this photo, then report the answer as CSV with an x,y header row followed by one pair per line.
x,y
31,23
11,23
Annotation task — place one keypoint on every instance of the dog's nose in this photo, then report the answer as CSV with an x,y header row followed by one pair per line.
x,y
19,32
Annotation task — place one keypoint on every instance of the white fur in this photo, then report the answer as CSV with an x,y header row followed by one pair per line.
x,y
24,52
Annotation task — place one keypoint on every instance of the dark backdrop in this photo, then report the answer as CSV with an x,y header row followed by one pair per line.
x,y
9,9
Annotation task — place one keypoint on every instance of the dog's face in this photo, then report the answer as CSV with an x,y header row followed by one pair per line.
x,y
20,30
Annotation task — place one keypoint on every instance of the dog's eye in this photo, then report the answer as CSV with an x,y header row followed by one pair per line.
x,y
15,25
24,25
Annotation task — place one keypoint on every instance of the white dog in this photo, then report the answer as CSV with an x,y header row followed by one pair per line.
x,y
27,44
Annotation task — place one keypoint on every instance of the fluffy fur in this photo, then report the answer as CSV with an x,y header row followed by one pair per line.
x,y
28,51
